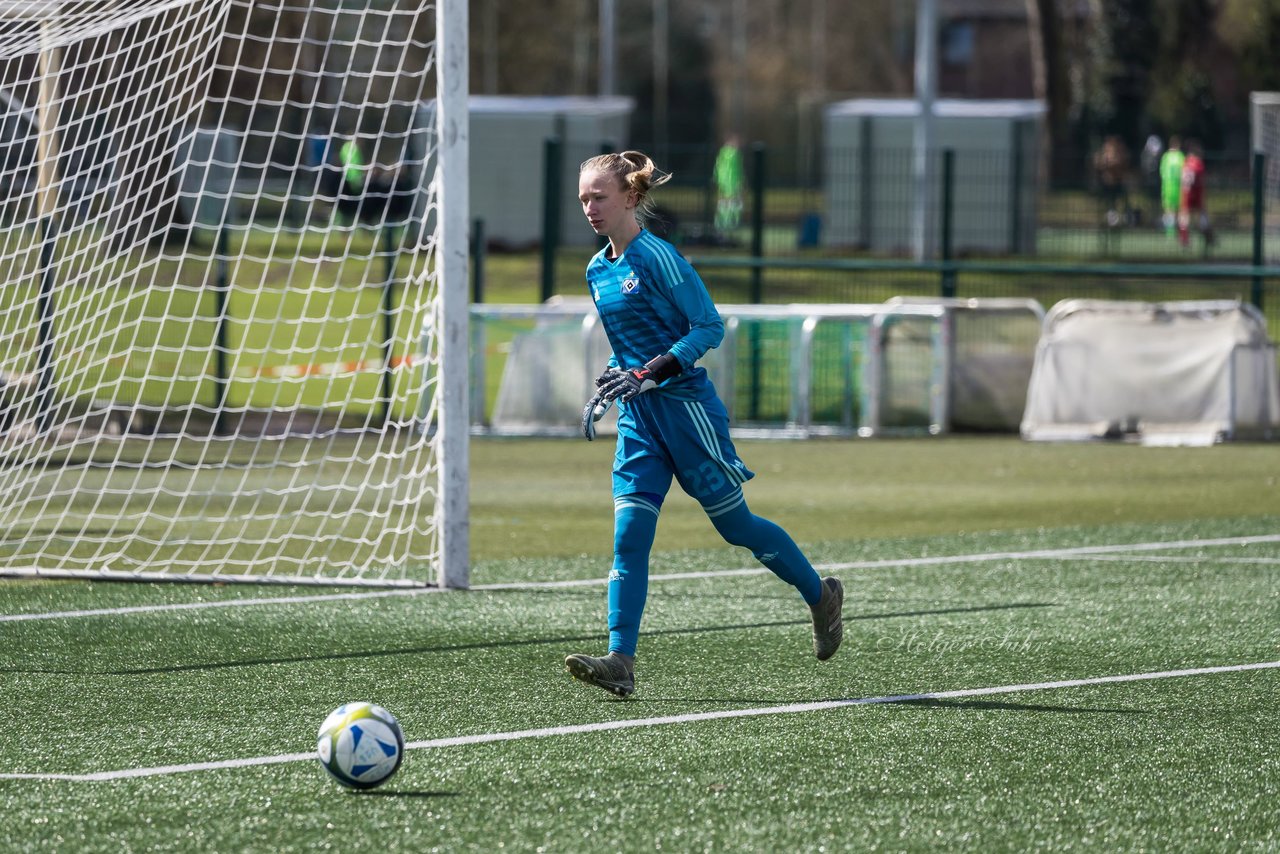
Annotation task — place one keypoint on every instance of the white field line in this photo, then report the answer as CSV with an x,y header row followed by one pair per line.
x,y
226,603
1263,561
667,720
1101,552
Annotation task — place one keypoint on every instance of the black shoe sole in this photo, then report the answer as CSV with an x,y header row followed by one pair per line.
x,y
583,673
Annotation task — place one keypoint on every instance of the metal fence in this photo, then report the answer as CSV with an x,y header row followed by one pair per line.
x,y
902,366
1069,217
996,226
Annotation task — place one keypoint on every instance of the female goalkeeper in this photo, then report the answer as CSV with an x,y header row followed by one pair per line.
x,y
660,320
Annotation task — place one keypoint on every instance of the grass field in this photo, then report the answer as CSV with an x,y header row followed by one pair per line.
x,y
1063,647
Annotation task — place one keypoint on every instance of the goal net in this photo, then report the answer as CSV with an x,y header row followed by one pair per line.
x,y
992,350
1192,372
1264,120
233,290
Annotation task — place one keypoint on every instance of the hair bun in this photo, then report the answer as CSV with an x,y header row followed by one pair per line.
x,y
634,170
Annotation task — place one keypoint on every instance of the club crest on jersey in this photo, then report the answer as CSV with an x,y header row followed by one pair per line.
x,y
630,285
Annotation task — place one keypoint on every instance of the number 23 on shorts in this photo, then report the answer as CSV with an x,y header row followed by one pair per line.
x,y
706,479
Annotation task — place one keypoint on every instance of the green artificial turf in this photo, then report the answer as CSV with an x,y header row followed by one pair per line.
x,y
1185,763
551,497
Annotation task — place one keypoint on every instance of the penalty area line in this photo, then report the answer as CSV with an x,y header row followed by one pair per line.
x,y
666,720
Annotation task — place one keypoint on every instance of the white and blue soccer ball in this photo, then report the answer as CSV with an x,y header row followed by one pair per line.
x,y
360,745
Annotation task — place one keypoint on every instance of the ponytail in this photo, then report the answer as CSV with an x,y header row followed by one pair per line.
x,y
634,171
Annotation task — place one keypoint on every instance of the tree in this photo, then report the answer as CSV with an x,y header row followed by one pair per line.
x,y
1251,30
1126,43
1049,77
690,99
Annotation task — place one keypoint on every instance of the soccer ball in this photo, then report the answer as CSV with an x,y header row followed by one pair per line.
x,y
360,745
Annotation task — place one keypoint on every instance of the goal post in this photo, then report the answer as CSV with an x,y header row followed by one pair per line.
x,y
233,291
452,510
1264,122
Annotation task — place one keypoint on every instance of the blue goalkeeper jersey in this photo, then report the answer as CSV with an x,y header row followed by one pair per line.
x,y
651,301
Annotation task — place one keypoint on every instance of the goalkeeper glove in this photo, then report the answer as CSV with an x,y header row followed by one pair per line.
x,y
597,406
624,385
591,413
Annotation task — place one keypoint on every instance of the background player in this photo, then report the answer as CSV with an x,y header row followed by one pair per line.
x,y
1171,185
1193,202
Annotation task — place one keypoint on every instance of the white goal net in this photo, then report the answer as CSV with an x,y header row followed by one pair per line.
x,y
1190,373
225,228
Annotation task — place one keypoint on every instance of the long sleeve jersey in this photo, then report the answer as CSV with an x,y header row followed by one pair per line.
x,y
651,301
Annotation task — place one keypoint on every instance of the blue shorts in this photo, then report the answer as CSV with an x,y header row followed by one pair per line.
x,y
660,437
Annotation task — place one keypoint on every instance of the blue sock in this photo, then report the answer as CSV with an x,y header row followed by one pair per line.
x,y
635,521
771,545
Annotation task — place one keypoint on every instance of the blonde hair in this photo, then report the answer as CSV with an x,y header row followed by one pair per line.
x,y
634,171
